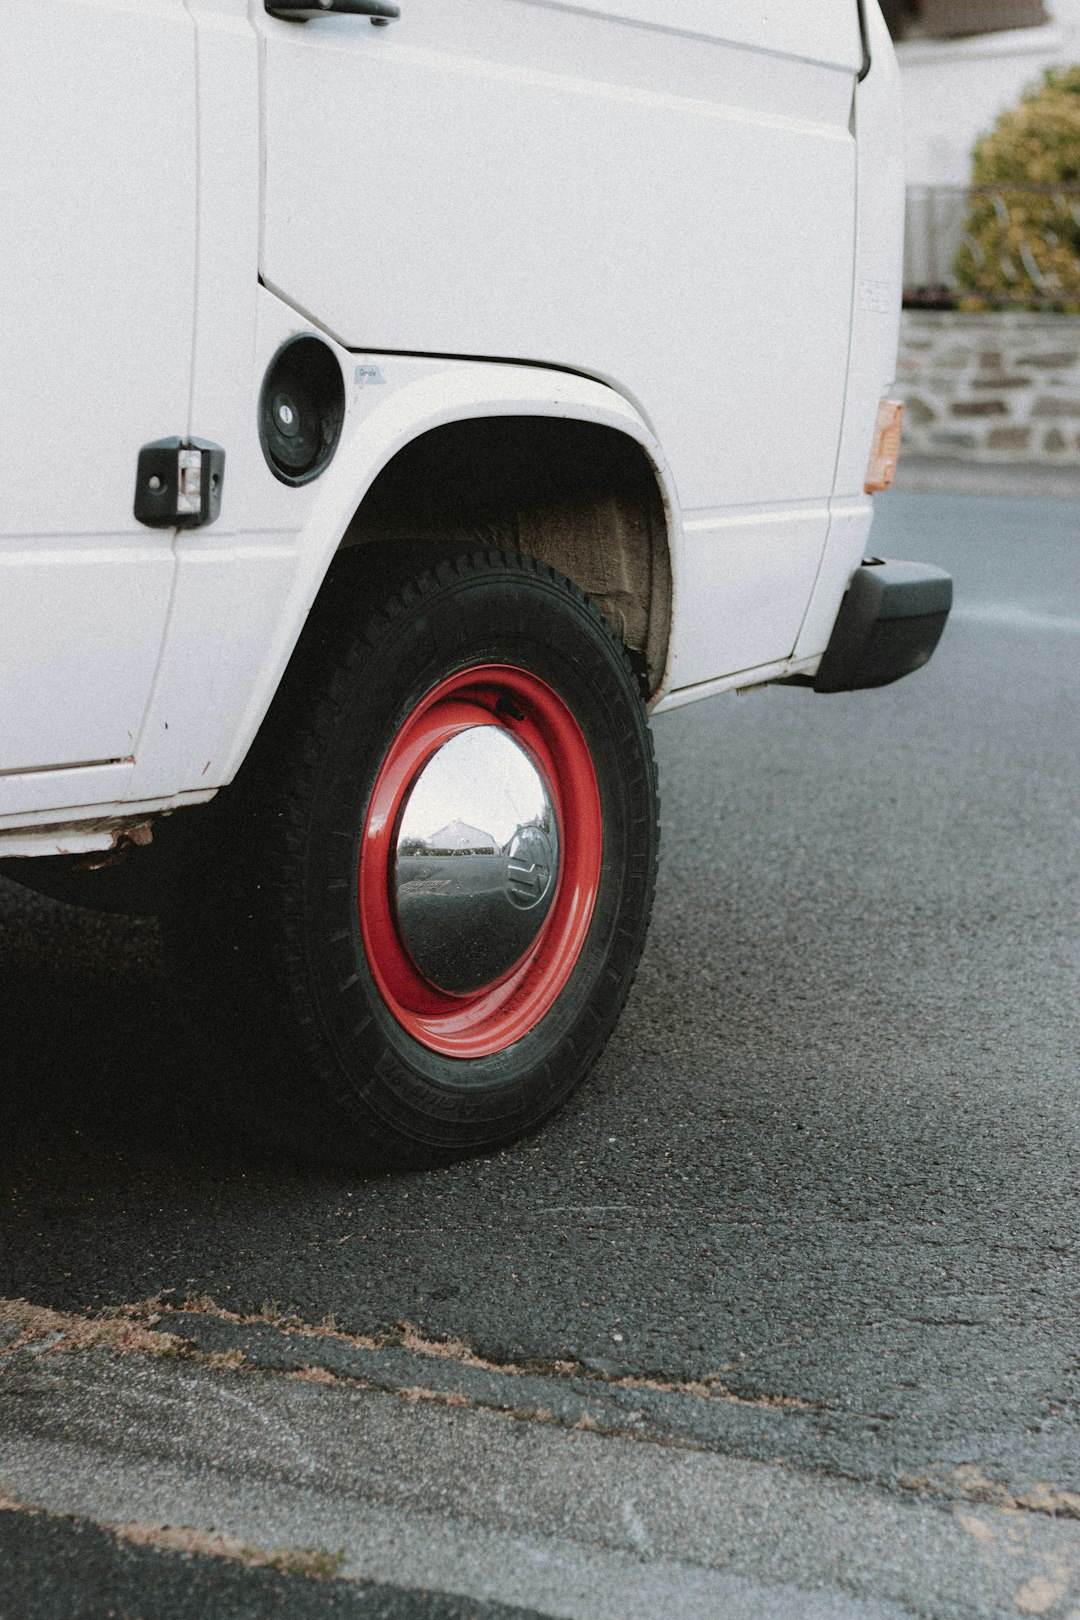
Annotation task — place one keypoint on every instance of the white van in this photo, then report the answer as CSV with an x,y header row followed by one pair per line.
x,y
401,404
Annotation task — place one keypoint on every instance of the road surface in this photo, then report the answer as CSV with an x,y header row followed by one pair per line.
x,y
781,1311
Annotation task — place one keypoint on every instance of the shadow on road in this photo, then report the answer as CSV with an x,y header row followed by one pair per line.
x,y
99,1088
91,1054
120,1161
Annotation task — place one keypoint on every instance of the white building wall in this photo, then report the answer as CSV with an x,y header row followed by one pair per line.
x,y
954,89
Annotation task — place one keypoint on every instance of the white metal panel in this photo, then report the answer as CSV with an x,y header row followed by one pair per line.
x,y
874,329
672,214
97,236
879,257
57,841
745,680
817,30
33,798
670,211
80,633
97,267
733,563
75,809
849,533
225,382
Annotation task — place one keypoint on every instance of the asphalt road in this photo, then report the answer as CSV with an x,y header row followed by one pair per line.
x,y
828,1162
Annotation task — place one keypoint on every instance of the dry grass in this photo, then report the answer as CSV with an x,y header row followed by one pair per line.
x,y
317,1563
66,1331
313,1375
709,1389
448,1350
226,1360
972,1485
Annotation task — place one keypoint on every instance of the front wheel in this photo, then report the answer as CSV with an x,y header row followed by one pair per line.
x,y
436,880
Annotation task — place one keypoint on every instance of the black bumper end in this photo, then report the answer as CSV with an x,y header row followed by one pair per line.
x,y
889,623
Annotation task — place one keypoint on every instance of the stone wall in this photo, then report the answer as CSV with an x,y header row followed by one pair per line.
x,y
991,388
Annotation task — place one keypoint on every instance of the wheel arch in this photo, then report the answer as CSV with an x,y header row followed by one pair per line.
x,y
436,458
580,495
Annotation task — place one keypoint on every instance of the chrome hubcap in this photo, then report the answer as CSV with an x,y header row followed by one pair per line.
x,y
476,861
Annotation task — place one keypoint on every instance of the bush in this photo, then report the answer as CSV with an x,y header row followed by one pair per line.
x,y
1021,246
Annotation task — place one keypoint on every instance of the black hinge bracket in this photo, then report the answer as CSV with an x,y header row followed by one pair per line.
x,y
178,483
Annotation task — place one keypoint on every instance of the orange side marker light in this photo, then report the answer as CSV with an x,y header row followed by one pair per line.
x,y
885,449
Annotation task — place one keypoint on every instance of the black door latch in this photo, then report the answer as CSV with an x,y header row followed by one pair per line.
x,y
178,483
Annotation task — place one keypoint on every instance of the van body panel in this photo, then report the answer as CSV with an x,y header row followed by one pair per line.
x,y
636,226
677,220
638,192
97,313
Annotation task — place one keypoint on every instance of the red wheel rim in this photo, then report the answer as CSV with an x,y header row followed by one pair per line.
x,y
492,1018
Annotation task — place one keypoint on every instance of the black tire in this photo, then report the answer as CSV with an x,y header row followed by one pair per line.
x,y
264,917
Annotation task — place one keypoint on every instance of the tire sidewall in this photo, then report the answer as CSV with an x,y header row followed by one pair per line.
x,y
486,614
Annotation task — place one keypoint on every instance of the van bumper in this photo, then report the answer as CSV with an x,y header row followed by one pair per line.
x,y
890,621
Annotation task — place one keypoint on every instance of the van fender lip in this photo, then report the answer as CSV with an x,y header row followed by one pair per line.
x,y
415,395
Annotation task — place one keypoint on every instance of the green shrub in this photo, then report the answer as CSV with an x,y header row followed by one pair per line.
x,y
1021,247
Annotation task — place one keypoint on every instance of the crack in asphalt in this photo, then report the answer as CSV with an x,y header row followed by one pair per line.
x,y
136,1328
565,1394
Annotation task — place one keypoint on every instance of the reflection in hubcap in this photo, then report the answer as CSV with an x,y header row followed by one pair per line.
x,y
475,862
530,866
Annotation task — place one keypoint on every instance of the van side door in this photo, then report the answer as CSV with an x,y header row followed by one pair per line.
x,y
97,304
